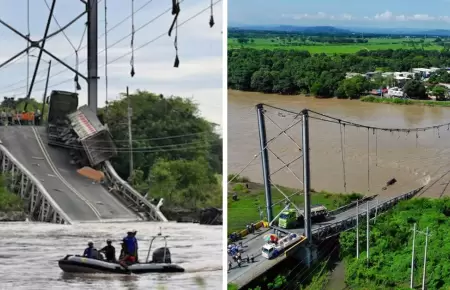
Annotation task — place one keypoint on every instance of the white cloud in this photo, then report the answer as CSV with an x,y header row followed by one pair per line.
x,y
384,16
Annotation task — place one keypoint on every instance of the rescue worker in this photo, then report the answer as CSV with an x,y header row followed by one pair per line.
x,y
110,251
136,245
90,252
129,243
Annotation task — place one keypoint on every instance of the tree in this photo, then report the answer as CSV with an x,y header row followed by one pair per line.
x,y
440,92
414,89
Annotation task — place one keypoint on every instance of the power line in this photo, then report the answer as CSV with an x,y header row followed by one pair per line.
x,y
143,45
65,58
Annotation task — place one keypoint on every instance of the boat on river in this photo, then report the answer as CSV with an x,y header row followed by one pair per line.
x,y
161,263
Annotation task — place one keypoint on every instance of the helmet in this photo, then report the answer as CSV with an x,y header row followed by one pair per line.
x,y
90,244
108,241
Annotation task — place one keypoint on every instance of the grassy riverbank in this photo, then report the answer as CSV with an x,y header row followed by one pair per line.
x,y
398,101
245,209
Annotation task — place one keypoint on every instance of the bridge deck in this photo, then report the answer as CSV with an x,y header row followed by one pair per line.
x,y
92,203
254,242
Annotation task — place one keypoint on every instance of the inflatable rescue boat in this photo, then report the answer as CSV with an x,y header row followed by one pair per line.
x,y
161,263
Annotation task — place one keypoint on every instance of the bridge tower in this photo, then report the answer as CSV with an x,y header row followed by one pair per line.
x,y
92,53
265,160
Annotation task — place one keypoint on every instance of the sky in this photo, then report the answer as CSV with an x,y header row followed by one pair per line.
x,y
432,14
199,75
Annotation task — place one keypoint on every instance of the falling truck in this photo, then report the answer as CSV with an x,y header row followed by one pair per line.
x,y
292,218
79,130
94,137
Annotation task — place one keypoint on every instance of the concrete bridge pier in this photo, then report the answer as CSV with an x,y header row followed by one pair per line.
x,y
306,254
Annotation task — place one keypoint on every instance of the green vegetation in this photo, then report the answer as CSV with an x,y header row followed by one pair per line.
x,y
327,43
292,72
391,245
9,201
183,170
399,101
245,209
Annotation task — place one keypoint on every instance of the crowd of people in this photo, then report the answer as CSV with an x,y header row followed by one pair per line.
x,y
13,117
128,254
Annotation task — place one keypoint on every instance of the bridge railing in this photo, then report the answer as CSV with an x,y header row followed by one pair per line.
x,y
127,192
350,205
40,204
349,223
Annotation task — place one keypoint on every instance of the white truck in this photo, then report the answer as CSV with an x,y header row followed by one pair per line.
x,y
273,250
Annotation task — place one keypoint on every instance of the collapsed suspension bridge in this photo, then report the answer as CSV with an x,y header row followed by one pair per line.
x,y
345,218
43,161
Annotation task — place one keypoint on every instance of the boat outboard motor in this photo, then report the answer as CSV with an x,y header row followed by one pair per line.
x,y
158,256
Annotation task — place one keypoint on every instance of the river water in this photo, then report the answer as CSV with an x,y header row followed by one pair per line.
x,y
368,164
29,253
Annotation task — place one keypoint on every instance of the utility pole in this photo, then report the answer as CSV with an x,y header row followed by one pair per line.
x,y
130,137
412,259
306,175
357,229
425,260
45,90
92,50
265,160
427,235
368,233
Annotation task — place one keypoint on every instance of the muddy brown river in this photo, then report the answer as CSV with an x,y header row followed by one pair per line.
x,y
370,159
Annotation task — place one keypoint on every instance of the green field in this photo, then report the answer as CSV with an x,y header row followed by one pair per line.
x,y
245,210
314,47
398,101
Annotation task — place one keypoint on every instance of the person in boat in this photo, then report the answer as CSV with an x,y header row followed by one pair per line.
x,y
110,251
129,248
90,252
136,246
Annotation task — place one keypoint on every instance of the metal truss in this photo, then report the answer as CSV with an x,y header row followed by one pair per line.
x,y
39,204
350,223
130,196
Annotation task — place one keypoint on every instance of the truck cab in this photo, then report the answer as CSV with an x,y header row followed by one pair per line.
x,y
291,218
288,219
269,251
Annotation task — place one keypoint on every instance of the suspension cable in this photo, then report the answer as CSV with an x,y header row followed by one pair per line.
x,y
132,39
211,19
286,165
342,132
106,58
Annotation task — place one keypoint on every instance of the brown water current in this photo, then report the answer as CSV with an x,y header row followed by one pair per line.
x,y
371,159
29,253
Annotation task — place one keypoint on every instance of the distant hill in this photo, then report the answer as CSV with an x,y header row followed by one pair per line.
x,y
345,30
297,29
436,32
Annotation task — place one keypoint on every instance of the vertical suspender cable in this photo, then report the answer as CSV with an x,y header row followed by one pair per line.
x,y
28,45
368,160
106,59
343,155
132,39
211,19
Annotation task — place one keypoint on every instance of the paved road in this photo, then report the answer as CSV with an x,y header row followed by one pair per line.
x,y
80,199
252,245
